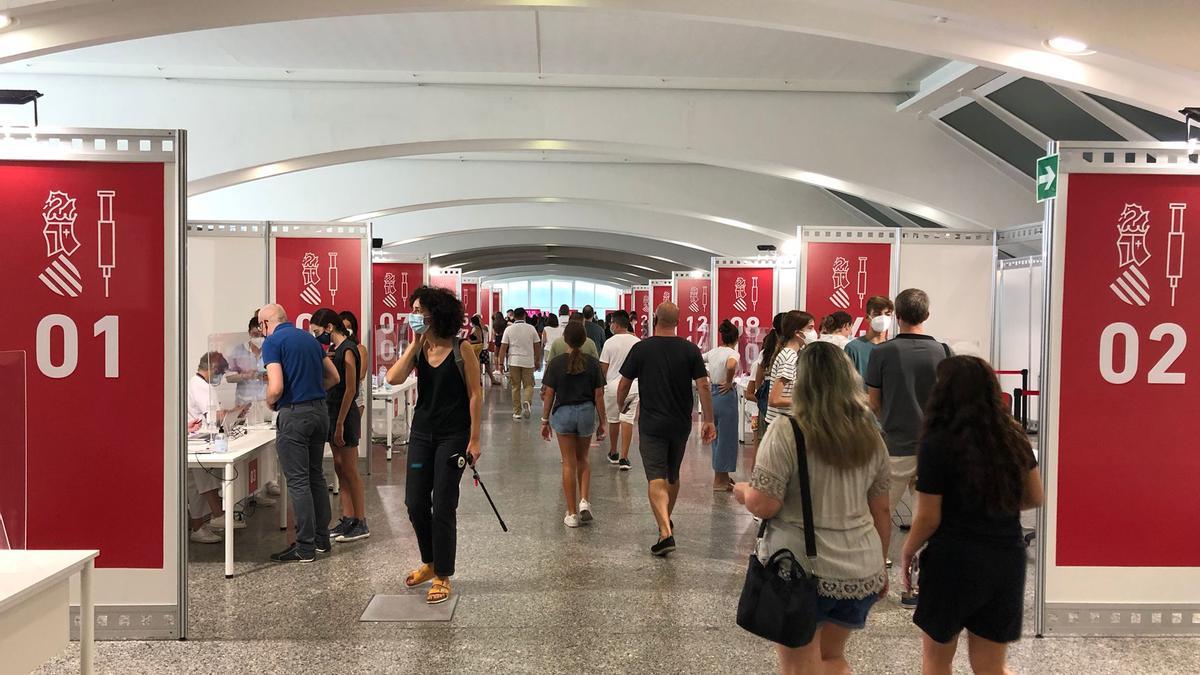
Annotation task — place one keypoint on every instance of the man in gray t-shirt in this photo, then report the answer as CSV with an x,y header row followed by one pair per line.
x,y
900,377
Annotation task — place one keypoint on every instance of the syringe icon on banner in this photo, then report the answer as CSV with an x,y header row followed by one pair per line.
x,y
704,297
754,292
1175,248
107,236
404,289
862,280
333,278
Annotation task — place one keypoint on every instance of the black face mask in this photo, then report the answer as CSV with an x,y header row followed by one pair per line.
x,y
325,339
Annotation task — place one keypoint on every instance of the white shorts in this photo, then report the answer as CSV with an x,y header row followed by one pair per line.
x,y
610,404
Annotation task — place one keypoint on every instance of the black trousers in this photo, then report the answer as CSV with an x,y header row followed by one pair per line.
x,y
431,495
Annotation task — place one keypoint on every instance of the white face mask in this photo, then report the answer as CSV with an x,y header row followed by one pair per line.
x,y
257,342
881,323
810,336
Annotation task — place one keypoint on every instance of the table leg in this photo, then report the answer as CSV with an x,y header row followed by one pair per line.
x,y
227,499
87,620
388,407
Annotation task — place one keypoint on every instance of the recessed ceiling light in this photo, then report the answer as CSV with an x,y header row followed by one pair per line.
x,y
1069,46
5,21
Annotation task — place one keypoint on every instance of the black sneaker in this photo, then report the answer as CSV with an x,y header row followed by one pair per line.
x,y
613,458
355,532
624,464
663,547
908,600
341,528
292,554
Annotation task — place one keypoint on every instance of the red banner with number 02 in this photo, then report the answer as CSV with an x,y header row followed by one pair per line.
x,y
83,258
316,272
746,296
641,305
1128,387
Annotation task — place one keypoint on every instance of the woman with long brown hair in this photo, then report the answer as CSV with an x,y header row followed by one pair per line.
x,y
849,475
573,405
975,474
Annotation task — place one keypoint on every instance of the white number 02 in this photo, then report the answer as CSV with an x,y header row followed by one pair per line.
x,y
109,326
1160,373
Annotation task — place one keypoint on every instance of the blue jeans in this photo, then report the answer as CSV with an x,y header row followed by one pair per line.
x,y
302,429
725,414
574,420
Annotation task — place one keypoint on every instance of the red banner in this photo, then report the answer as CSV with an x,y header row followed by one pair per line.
x,y
842,276
391,284
451,282
641,305
470,298
316,272
83,264
660,293
694,310
13,367
627,301
1128,381
746,296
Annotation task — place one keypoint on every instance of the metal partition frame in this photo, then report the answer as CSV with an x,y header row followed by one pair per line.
x,y
168,147
1084,618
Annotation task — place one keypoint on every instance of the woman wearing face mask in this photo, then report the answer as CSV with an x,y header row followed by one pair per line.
x,y
445,428
345,427
796,330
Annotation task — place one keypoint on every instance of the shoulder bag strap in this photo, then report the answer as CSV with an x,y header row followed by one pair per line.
x,y
458,358
810,537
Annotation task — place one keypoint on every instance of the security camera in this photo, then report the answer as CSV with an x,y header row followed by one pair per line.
x,y
766,248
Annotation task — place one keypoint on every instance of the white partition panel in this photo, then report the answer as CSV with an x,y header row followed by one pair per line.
x,y
227,280
1019,322
956,269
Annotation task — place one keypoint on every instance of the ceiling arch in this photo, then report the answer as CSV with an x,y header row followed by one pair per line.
x,y
455,240
634,257
1002,35
227,179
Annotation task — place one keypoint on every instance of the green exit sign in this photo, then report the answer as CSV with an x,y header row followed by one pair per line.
x,y
1047,178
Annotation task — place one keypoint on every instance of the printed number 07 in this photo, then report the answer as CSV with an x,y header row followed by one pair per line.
x,y
1160,373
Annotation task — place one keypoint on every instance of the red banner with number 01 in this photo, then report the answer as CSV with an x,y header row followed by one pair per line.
x,y
746,296
694,310
1128,382
84,254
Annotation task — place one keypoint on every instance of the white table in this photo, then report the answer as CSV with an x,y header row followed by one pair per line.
x,y
35,607
388,394
234,466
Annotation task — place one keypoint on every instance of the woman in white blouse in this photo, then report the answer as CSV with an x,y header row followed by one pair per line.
x,y
722,365
848,468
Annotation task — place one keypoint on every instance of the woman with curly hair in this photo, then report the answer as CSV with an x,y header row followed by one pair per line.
x,y
445,428
975,474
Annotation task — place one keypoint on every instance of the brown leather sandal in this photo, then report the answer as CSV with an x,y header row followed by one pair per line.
x,y
439,592
419,576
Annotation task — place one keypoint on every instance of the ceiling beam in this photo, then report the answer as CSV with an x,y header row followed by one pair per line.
x,y
946,84
1110,119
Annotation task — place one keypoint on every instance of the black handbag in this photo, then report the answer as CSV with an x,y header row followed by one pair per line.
x,y
779,599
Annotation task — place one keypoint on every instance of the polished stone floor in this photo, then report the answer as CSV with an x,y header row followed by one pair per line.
x,y
540,598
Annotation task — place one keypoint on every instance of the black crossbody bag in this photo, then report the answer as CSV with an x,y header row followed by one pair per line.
x,y
779,599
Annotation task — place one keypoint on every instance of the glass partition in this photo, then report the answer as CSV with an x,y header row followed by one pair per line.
x,y
237,383
13,457
391,339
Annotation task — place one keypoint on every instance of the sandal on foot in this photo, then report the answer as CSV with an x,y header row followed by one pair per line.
x,y
439,592
419,576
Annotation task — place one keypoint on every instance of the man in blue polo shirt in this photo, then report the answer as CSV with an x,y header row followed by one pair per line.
x,y
297,376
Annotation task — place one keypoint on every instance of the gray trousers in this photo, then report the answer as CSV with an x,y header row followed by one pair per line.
x,y
302,429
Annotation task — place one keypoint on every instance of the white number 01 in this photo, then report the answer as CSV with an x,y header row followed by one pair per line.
x,y
109,326
1160,373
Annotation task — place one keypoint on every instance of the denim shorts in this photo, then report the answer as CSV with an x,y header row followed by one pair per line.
x,y
574,420
850,614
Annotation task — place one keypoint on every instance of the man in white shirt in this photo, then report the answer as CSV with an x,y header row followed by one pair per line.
x,y
620,422
521,350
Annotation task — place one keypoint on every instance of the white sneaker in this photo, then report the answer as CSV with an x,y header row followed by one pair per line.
x,y
517,416
526,410
218,523
204,536
264,500
585,511
571,520
273,488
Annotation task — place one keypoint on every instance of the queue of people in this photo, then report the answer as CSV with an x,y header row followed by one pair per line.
x,y
879,416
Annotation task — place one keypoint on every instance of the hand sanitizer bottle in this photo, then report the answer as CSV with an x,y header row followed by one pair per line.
x,y
220,443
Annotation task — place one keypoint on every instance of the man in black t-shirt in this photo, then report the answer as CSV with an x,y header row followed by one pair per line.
x,y
666,367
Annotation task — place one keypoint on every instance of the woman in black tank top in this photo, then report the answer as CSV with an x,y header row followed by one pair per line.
x,y
445,428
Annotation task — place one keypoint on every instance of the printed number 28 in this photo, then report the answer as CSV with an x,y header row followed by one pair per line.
x,y
109,326
1160,373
